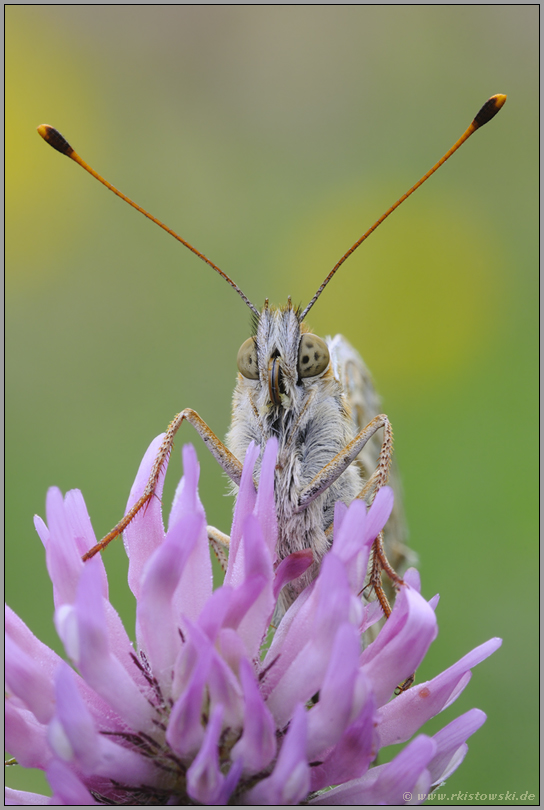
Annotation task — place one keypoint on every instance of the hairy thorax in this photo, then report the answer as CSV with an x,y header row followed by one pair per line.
x,y
312,425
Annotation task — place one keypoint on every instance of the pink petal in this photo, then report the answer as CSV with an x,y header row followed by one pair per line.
x,y
451,744
289,782
257,745
222,684
25,737
328,719
265,507
17,630
340,510
120,642
351,537
400,645
43,531
185,731
73,535
48,663
351,756
204,778
196,582
404,715
231,648
67,787
305,650
82,530
412,578
225,690
85,632
24,798
155,607
253,601
387,784
76,722
292,567
379,512
352,544
146,531
372,613
26,679
186,499
62,555
214,612
245,504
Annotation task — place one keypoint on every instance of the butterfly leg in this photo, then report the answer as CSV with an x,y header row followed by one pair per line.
x,y
220,543
380,563
378,479
226,459
347,456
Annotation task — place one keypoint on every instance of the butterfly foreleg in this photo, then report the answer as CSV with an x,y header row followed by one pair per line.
x,y
222,454
378,479
220,543
341,461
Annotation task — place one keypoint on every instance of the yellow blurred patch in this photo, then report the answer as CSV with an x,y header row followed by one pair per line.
x,y
420,299
40,87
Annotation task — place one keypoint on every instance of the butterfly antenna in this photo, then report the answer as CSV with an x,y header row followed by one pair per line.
x,y
487,112
57,141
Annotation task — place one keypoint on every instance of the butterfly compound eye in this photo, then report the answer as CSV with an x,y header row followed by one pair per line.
x,y
247,360
313,356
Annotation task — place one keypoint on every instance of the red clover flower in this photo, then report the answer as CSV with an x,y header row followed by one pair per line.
x,y
198,710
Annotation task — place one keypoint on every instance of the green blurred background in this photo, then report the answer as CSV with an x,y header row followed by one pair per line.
x,y
271,137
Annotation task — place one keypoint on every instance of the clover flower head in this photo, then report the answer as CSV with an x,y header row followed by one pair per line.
x,y
200,710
